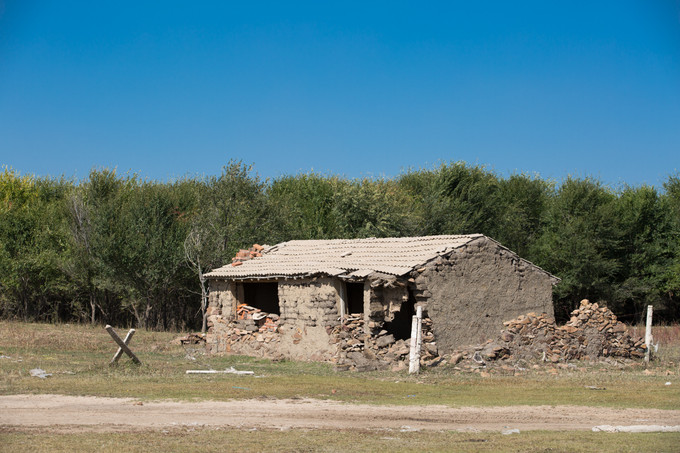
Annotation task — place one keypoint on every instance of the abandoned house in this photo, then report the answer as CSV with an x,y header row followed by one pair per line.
x,y
351,301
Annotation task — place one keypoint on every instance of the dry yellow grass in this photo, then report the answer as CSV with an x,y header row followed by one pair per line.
x,y
205,440
78,357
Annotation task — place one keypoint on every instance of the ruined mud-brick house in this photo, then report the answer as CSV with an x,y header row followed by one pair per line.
x,y
351,301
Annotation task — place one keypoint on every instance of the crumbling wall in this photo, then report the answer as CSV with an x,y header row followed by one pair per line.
x,y
385,296
309,310
470,293
362,351
222,298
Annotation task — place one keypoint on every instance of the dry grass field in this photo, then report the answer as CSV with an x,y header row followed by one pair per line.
x,y
77,356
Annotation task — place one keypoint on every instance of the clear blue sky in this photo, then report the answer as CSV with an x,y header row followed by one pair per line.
x,y
357,89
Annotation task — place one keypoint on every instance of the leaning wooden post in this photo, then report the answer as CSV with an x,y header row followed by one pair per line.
x,y
122,345
416,341
648,333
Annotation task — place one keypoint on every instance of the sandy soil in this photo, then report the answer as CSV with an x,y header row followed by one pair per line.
x,y
76,413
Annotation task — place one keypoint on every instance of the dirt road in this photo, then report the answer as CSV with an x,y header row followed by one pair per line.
x,y
75,413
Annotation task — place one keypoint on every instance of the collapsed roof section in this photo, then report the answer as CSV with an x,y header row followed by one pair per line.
x,y
345,258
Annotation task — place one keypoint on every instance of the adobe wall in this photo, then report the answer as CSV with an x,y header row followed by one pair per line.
x,y
309,309
222,298
469,294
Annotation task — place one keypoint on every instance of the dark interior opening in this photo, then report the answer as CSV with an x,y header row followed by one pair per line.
x,y
400,326
264,296
355,298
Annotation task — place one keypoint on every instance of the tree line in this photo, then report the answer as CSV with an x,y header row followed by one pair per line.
x,y
125,250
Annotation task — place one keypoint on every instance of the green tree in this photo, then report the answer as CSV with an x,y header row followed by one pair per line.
x,y
580,243
671,276
234,213
522,202
453,199
32,241
371,208
305,205
644,254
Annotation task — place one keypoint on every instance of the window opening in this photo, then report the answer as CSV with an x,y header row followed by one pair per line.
x,y
264,296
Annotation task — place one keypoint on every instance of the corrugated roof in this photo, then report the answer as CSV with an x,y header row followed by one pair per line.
x,y
359,257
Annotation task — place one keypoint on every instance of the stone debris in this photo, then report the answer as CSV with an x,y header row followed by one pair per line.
x,y
192,339
592,333
252,328
361,351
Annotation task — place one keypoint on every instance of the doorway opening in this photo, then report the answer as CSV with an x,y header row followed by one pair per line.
x,y
400,326
355,298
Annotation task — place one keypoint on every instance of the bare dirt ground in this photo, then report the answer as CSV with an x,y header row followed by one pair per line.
x,y
77,414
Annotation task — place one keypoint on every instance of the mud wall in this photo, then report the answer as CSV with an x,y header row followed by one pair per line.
x,y
469,294
309,302
222,298
309,309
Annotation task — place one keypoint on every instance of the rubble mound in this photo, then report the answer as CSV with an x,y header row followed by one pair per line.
x,y
361,351
191,339
591,333
251,329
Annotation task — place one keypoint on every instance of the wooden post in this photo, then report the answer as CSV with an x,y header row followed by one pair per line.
x,y
119,353
648,333
123,346
416,341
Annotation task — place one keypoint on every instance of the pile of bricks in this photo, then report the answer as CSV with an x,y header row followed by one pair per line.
x,y
244,255
251,319
251,327
593,332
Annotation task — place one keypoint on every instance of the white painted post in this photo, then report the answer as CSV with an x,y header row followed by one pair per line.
x,y
343,302
648,333
416,341
419,342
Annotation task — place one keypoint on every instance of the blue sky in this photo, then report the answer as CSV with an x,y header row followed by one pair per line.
x,y
358,89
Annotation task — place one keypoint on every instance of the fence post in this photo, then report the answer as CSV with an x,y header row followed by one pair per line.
x,y
648,333
416,341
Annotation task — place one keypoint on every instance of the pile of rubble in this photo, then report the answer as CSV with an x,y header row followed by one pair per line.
x,y
361,351
190,339
592,332
244,255
193,339
251,328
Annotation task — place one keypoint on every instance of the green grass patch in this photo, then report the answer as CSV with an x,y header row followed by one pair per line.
x,y
78,357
